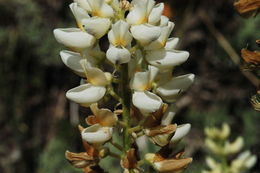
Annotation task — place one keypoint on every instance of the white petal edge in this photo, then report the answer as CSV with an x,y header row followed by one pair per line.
x,y
162,40
164,21
175,85
169,114
172,43
156,14
145,34
140,81
119,35
96,26
74,37
146,101
72,61
118,55
83,4
86,94
78,12
181,132
163,58
97,134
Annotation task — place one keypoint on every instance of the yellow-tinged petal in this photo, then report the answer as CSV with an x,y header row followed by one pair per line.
x,y
100,8
140,12
104,117
79,13
119,35
94,75
162,40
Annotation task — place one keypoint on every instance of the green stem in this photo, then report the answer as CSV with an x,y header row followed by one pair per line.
x,y
116,145
117,156
114,94
135,129
126,103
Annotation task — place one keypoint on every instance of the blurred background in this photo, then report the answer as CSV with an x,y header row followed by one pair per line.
x,y
37,122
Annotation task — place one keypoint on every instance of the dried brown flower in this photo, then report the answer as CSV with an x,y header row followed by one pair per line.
x,y
250,56
130,161
168,164
245,7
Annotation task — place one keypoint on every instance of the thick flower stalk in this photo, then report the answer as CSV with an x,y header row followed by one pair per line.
x,y
218,144
135,73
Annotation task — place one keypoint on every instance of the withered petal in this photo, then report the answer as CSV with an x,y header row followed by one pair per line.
x,y
130,161
172,164
155,118
247,6
161,130
80,160
91,120
250,56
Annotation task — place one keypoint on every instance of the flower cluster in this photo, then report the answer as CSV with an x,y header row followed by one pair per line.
x,y
135,70
217,142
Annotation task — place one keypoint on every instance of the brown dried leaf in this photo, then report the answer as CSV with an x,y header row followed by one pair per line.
x,y
245,7
251,57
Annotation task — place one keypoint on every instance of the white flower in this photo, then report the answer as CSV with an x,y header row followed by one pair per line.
x,y
79,14
72,60
120,39
97,134
145,33
234,147
182,130
169,115
164,58
243,162
74,38
118,55
96,26
86,94
162,40
93,91
170,90
146,101
97,7
156,13
144,11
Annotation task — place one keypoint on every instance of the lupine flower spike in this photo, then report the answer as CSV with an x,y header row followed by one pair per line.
x,y
218,144
133,72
